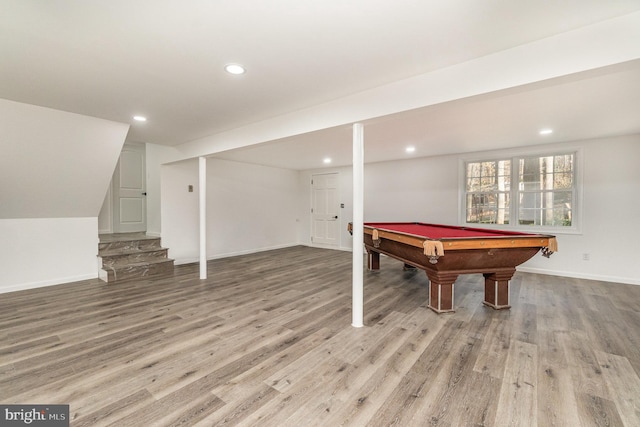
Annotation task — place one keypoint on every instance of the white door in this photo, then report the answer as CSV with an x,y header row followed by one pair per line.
x,y
129,191
325,221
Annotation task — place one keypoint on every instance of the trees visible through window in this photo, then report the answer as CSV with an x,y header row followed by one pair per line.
x,y
543,193
488,190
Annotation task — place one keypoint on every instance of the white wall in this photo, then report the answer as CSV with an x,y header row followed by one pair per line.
x,y
611,217
105,218
47,251
426,189
250,208
156,155
422,189
409,190
55,168
55,164
179,210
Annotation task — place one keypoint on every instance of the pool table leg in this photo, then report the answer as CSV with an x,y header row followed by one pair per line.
x,y
441,292
373,260
496,289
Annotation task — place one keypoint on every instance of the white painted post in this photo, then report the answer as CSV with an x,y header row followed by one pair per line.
x,y
202,181
358,224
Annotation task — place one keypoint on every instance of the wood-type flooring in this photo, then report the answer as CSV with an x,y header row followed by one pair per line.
x,y
267,340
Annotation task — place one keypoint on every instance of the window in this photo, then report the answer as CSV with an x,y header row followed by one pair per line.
x,y
534,191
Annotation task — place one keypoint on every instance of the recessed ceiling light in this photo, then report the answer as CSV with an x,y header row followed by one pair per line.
x,y
546,131
326,160
234,69
410,149
139,118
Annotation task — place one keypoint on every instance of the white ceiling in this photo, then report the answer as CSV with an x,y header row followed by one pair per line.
x,y
588,105
164,59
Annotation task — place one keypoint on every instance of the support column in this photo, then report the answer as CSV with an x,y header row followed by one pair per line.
x,y
358,227
202,192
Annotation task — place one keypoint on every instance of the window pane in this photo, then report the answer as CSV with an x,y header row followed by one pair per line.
x,y
504,183
488,208
473,170
530,177
563,180
562,208
488,168
546,217
473,184
563,163
545,190
546,208
489,176
528,217
503,209
487,183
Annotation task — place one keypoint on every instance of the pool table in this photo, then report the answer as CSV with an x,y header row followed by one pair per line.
x,y
445,252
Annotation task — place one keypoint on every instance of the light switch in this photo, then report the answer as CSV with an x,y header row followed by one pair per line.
x,y
190,188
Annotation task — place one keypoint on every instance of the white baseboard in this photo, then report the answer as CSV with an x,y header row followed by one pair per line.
x,y
181,261
336,248
574,275
42,284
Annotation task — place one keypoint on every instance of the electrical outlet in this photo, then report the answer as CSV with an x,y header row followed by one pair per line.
x,y
585,257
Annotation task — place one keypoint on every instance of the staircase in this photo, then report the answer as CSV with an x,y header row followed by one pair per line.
x,y
130,256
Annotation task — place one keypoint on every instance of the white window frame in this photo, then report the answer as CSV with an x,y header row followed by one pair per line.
x,y
515,155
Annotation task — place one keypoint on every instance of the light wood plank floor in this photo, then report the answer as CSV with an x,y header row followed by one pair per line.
x,y
267,341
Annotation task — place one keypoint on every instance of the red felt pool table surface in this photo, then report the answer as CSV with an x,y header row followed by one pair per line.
x,y
438,231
